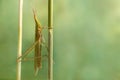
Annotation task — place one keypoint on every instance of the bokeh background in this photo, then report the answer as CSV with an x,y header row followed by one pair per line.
x,y
86,39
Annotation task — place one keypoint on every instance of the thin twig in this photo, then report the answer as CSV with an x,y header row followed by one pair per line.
x,y
50,39
19,39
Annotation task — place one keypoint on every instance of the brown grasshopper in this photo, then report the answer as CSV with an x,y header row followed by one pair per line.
x,y
37,45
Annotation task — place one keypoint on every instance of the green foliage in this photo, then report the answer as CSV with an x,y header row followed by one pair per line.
x,y
86,39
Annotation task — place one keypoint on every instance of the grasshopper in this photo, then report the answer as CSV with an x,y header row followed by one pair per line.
x,y
37,45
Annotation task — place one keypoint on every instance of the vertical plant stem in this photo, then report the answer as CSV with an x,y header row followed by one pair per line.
x,y
50,39
19,40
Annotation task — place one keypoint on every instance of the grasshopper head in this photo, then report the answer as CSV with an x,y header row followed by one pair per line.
x,y
38,25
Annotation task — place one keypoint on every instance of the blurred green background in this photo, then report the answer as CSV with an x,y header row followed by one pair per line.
x,y
86,39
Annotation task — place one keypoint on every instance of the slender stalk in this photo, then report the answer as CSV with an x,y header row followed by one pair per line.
x,y
50,39
19,40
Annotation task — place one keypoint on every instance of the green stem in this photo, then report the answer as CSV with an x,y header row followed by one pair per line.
x,y
19,40
50,39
